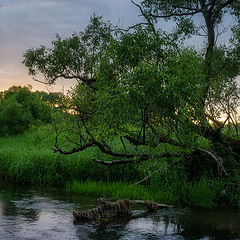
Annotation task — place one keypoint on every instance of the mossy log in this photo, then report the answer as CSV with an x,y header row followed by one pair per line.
x,y
120,207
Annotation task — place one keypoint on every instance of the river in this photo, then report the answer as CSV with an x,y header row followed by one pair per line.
x,y
39,213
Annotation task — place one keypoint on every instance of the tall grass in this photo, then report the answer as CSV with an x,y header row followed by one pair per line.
x,y
119,190
28,158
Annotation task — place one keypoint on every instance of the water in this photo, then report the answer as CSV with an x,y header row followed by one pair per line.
x,y
29,214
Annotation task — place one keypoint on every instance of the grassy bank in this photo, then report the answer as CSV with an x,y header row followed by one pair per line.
x,y
28,159
202,194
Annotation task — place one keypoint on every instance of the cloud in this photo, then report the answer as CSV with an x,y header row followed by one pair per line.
x,y
25,24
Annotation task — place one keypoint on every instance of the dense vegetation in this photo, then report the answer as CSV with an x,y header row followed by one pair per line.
x,y
146,109
27,159
19,109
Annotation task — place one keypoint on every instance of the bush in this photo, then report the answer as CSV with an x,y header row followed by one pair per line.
x,y
19,109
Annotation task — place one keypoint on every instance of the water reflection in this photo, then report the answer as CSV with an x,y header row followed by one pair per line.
x,y
47,214
217,224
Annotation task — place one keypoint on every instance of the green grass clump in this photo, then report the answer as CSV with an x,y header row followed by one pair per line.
x,y
116,190
204,193
119,190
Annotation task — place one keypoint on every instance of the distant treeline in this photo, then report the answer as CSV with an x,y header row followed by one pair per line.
x,y
20,108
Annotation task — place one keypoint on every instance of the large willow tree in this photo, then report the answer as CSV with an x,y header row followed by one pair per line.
x,y
144,87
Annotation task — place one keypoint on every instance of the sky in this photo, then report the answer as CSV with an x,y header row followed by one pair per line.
x,y
28,24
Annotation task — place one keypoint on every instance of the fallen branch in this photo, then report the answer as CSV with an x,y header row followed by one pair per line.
x,y
114,162
136,158
120,207
151,206
218,159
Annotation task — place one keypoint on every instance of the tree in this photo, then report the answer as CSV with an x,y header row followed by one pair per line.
x,y
19,108
141,86
221,64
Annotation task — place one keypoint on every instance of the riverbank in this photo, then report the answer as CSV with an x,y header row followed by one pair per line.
x,y
27,159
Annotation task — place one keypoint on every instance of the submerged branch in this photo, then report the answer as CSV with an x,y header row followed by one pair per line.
x,y
120,207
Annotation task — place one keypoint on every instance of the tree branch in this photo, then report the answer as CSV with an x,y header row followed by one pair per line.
x,y
136,158
226,4
218,159
46,83
108,151
185,8
146,17
81,78
154,143
73,150
114,162
219,124
176,14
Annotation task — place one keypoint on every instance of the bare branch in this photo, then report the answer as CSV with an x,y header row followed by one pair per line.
x,y
224,30
165,139
150,23
154,143
152,206
73,150
121,207
218,159
235,124
136,158
79,77
219,124
176,14
114,162
108,151
46,83
134,26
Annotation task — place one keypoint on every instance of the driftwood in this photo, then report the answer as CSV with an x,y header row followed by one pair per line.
x,y
121,207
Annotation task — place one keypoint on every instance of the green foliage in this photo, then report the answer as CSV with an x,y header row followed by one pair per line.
x,y
13,117
71,56
19,109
